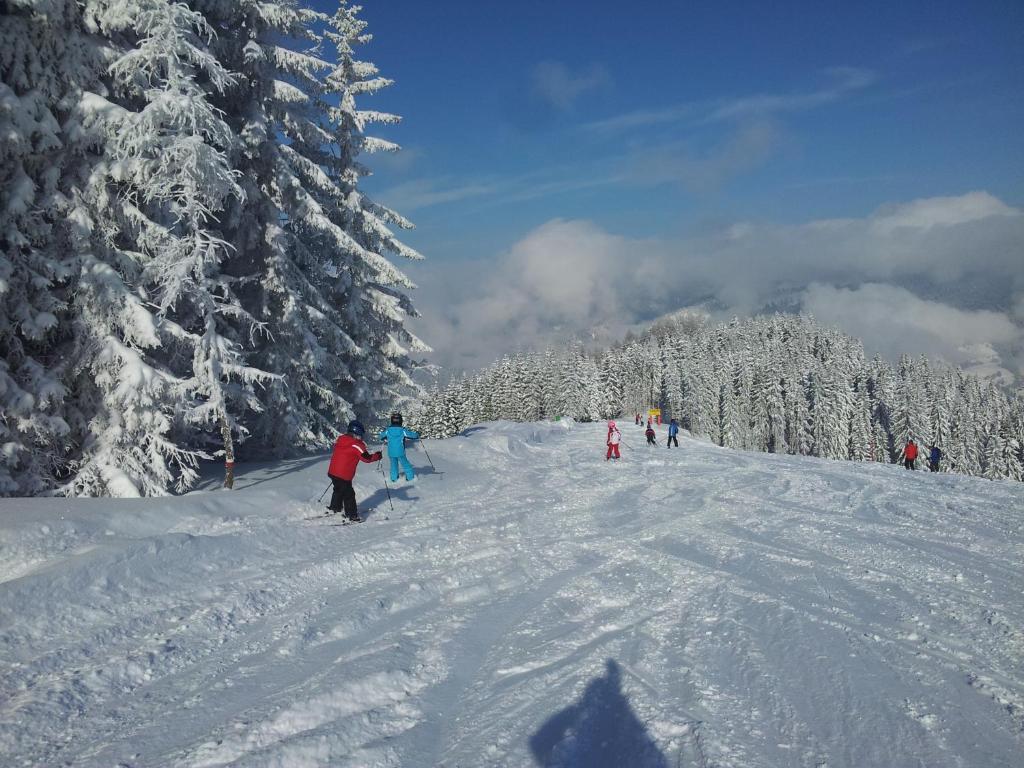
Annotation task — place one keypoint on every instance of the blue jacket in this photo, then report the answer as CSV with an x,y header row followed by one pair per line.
x,y
396,439
673,429
936,454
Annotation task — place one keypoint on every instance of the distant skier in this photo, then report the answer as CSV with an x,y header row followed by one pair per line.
x,y
910,454
649,422
614,436
638,419
652,437
673,431
934,457
349,450
396,436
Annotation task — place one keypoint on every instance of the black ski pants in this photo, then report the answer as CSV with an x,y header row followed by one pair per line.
x,y
909,464
673,439
344,495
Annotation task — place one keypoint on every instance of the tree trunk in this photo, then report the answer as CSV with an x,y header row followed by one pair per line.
x,y
229,453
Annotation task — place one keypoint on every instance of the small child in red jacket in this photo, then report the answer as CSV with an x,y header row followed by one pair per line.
x,y
349,450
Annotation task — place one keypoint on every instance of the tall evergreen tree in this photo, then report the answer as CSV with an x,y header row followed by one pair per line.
x,y
45,58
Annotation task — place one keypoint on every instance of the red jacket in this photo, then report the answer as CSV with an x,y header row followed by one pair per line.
x,y
910,451
348,452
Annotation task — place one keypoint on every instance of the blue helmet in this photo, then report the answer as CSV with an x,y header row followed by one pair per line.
x,y
356,428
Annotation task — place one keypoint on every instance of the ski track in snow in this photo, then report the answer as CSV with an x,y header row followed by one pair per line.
x,y
527,604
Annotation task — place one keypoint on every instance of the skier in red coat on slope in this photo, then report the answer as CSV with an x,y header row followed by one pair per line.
x,y
349,450
910,454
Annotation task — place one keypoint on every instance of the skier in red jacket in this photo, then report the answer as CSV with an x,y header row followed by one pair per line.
x,y
910,454
349,450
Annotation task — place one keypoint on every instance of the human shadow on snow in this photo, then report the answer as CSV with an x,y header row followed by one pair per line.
x,y
428,470
377,502
599,731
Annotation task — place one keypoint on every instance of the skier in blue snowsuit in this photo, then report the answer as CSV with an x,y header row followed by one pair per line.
x,y
673,431
396,435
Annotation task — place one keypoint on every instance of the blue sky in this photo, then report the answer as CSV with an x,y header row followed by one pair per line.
x,y
659,126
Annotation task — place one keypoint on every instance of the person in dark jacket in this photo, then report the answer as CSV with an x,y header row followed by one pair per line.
x,y
673,432
349,450
651,436
934,457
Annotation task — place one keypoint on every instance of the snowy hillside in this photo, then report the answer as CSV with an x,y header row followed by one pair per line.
x,y
526,604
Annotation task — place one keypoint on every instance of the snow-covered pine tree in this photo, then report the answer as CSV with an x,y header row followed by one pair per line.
x,y
532,394
703,414
1010,443
308,262
860,447
45,56
673,375
1016,423
478,407
126,393
768,417
730,428
270,102
175,167
389,350
610,374
909,411
426,415
798,415
578,389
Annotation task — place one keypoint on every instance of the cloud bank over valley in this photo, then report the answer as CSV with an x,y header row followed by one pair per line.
x,y
940,276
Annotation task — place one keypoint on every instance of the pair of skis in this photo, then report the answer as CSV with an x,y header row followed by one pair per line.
x,y
341,519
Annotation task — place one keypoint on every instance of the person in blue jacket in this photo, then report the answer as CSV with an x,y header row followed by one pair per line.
x,y
673,431
396,436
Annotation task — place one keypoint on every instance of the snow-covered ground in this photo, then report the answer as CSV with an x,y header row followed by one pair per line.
x,y
526,604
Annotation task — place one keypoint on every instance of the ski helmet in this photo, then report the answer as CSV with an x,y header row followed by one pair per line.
x,y
356,428
611,424
396,419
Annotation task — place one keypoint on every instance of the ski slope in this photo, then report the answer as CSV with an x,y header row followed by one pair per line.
x,y
525,604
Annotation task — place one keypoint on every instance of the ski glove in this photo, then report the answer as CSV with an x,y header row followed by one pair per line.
x,y
377,456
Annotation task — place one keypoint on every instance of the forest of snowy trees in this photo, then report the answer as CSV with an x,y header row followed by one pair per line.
x,y
780,384
188,267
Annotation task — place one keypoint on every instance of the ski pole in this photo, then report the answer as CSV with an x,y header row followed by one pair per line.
x,y
382,477
324,493
626,444
428,456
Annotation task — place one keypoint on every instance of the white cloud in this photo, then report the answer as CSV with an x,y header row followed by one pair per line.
x,y
558,87
892,321
422,193
949,282
843,81
940,212
749,147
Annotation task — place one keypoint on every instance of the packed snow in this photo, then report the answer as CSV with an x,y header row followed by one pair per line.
x,y
524,603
